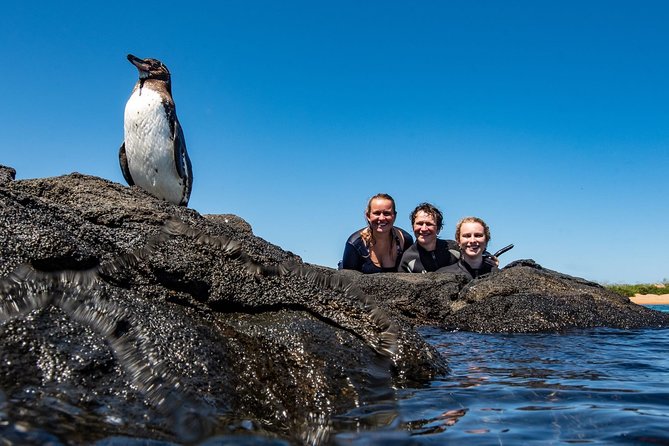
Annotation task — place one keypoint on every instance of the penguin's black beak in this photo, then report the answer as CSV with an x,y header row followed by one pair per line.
x,y
139,63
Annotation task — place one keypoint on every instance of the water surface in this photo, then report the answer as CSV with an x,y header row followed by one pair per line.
x,y
601,386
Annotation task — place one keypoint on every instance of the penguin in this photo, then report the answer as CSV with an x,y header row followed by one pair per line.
x,y
153,155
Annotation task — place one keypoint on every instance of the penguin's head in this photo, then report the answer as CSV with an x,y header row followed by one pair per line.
x,y
150,68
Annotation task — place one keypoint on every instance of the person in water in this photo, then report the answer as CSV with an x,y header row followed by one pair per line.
x,y
472,235
379,246
428,253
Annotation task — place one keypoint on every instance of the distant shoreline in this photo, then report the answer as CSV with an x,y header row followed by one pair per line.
x,y
650,299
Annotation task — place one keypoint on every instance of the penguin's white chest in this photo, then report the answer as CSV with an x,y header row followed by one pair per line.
x,y
149,146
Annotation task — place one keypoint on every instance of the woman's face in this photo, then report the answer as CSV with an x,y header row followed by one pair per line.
x,y
472,239
425,229
381,216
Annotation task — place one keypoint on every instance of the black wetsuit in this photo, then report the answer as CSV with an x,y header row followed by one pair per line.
x,y
417,259
462,268
356,253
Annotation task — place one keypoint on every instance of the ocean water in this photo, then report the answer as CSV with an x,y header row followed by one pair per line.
x,y
664,308
600,386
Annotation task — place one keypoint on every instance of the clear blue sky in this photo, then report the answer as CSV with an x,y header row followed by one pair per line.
x,y
548,119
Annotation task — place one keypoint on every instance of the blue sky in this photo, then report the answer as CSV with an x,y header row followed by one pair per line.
x,y
548,119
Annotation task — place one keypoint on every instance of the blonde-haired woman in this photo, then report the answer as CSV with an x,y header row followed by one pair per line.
x,y
472,235
379,246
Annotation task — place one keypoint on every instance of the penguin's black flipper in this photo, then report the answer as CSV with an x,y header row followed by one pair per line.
x,y
123,161
182,161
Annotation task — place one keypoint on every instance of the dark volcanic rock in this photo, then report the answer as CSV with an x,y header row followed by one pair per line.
x,y
7,174
522,297
128,315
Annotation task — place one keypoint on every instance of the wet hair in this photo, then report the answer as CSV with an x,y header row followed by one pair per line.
x,y
486,229
429,209
366,233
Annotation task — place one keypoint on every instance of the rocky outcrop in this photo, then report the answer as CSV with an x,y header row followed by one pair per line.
x,y
117,305
7,174
523,297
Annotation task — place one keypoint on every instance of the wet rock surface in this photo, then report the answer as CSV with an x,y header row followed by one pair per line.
x,y
523,297
125,315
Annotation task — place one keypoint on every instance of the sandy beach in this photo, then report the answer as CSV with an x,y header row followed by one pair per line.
x,y
650,299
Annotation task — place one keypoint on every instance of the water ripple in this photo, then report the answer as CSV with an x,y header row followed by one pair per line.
x,y
600,386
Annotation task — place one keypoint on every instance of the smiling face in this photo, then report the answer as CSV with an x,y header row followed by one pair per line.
x,y
426,230
472,239
381,215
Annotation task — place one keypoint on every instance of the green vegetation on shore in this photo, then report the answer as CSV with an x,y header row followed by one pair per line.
x,y
631,290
